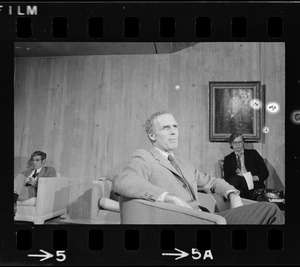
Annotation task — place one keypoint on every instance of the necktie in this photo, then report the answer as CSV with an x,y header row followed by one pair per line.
x,y
35,174
238,163
242,159
175,165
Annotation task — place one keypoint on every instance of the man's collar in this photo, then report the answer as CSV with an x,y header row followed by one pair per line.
x,y
163,153
240,153
38,170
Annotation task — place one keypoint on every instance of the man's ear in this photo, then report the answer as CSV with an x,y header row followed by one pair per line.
x,y
152,136
43,161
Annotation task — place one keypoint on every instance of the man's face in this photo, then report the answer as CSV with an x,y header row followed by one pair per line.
x,y
38,162
165,132
238,144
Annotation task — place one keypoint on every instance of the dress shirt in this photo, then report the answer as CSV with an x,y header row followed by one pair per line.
x,y
37,171
161,198
164,153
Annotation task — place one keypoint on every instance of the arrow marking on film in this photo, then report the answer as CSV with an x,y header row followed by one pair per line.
x,y
45,256
181,254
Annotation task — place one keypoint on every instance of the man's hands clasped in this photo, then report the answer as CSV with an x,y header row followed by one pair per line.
x,y
32,181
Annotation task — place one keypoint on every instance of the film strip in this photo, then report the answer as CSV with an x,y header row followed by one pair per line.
x,y
25,243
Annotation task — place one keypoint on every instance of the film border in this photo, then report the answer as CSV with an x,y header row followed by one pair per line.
x,y
149,253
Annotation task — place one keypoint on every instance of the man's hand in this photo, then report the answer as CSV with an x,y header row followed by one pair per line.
x,y
169,198
255,178
35,181
32,181
235,201
29,180
242,171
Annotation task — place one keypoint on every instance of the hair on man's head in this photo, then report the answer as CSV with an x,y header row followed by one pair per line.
x,y
149,122
43,155
233,136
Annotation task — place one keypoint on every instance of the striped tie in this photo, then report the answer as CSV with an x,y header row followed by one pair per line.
x,y
238,163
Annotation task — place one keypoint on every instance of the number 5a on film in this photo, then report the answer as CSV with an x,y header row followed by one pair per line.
x,y
196,254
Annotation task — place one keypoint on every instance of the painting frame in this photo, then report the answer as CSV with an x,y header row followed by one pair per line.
x,y
235,106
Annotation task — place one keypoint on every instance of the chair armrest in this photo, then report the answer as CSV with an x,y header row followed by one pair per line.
x,y
52,194
100,189
208,201
139,211
109,204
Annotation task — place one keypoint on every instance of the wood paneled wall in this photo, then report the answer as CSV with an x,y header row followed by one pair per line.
x,y
87,112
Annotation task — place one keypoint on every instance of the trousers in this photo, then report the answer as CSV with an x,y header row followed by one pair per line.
x,y
254,213
240,183
24,192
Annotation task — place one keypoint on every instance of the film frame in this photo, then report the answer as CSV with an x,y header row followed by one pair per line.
x,y
140,244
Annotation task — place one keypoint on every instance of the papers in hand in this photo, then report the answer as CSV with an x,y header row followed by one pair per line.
x,y
249,180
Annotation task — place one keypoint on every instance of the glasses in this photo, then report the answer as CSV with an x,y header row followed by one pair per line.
x,y
237,142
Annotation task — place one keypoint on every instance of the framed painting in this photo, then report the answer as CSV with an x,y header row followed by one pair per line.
x,y
235,107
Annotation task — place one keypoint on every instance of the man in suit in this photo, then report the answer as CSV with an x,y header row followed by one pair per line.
x,y
26,182
241,161
157,175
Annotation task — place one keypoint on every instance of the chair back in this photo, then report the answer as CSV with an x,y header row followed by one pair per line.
x,y
219,170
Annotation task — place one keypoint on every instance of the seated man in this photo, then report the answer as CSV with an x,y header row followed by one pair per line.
x,y
241,161
26,182
158,175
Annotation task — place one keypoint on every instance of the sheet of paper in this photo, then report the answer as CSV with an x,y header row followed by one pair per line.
x,y
249,180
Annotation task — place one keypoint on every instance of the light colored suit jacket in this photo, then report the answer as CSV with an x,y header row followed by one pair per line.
x,y
149,174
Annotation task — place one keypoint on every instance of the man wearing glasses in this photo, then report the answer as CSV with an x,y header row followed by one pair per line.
x,y
242,165
26,182
157,175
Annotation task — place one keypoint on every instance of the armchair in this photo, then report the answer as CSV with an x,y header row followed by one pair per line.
x,y
51,201
219,170
139,211
103,213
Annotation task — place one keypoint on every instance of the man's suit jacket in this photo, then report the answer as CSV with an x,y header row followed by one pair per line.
x,y
44,172
149,174
254,163
31,191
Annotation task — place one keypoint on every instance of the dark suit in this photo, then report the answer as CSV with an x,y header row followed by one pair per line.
x,y
254,163
149,174
26,192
